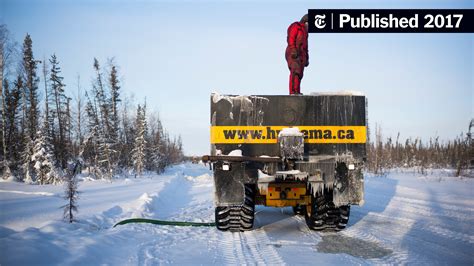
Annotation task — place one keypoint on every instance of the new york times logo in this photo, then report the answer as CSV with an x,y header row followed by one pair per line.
x,y
319,21
391,20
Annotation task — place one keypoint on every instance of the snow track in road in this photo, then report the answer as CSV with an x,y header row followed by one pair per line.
x,y
249,248
419,225
233,252
258,242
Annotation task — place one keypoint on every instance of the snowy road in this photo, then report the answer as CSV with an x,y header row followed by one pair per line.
x,y
407,218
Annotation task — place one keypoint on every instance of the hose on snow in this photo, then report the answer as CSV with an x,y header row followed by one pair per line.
x,y
161,222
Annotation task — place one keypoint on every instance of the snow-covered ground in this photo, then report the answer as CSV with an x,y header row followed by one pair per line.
x,y
407,218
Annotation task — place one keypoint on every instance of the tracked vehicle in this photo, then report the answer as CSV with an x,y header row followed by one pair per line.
x,y
306,152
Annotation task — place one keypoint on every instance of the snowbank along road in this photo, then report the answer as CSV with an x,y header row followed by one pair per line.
x,y
407,218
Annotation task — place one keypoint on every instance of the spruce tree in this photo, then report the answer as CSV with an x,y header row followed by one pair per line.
x,y
8,53
101,99
127,136
29,65
47,98
114,101
78,118
71,193
139,148
154,156
42,159
60,113
12,127
90,150
27,171
5,164
30,108
105,155
106,152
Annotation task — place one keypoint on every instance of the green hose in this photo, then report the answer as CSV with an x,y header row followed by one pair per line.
x,y
160,222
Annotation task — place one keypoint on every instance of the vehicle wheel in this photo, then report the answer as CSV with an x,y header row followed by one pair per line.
x,y
237,218
322,214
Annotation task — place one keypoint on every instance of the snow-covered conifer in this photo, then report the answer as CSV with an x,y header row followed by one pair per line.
x,y
28,173
29,65
71,194
139,148
114,100
43,161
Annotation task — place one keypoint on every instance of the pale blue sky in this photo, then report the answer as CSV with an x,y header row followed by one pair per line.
x,y
176,53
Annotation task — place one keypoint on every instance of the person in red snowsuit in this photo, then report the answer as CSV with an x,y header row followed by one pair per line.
x,y
296,53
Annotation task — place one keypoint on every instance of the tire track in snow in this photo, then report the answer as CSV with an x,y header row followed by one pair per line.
x,y
424,207
428,227
418,209
233,253
449,234
248,248
226,242
257,241
415,227
441,204
402,234
149,252
249,244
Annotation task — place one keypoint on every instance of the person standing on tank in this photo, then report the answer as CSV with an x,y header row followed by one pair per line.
x,y
296,53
